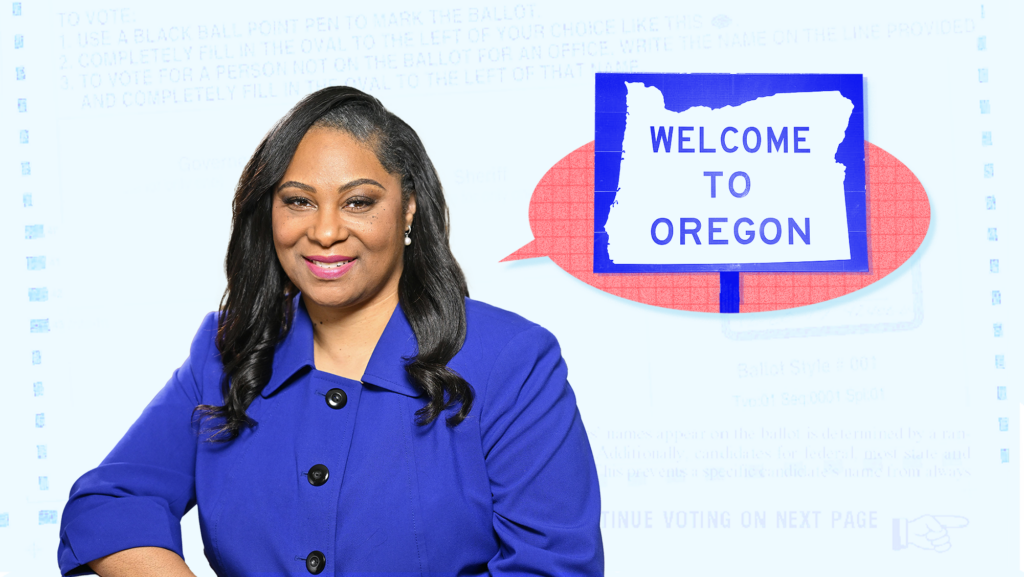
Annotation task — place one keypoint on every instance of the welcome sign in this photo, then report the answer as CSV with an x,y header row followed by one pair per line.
x,y
729,172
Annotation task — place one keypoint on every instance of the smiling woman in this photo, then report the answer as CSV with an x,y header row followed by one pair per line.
x,y
348,409
337,195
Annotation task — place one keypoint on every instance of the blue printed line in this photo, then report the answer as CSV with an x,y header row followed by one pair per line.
x,y
23,137
47,517
19,41
33,231
37,389
19,73
26,199
40,420
39,325
44,483
22,105
5,519
26,168
40,451
16,8
36,262
38,295
993,236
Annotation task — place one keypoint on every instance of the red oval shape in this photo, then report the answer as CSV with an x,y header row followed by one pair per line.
x,y
562,221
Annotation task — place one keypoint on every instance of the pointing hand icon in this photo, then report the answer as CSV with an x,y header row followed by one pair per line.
x,y
926,532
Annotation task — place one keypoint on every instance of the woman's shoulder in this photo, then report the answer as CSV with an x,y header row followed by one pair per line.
x,y
491,329
479,312
204,342
511,362
204,360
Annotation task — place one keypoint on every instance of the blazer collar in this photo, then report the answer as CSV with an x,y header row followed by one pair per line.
x,y
386,369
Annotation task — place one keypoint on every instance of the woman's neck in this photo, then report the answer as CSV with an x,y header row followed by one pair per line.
x,y
344,339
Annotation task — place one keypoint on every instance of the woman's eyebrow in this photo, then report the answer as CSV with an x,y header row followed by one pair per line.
x,y
295,184
360,182
342,188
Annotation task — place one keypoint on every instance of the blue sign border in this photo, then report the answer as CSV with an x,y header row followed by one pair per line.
x,y
684,91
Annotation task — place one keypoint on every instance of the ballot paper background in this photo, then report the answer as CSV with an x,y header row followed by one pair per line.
x,y
877,433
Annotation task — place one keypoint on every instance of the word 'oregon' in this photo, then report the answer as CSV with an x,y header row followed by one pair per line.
x,y
769,231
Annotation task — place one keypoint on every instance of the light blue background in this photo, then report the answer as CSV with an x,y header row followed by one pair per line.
x,y
128,197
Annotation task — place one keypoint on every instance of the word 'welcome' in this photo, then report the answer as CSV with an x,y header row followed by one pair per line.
x,y
661,138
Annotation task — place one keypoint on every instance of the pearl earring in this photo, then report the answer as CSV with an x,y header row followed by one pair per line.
x,y
408,240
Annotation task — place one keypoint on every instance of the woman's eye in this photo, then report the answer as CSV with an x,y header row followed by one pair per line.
x,y
298,201
359,203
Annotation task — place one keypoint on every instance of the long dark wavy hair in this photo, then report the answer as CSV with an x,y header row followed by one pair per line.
x,y
257,307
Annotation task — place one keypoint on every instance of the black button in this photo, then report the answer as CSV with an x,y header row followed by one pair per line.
x,y
317,475
336,398
315,562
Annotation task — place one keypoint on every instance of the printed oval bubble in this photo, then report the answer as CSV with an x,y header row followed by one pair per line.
x,y
562,221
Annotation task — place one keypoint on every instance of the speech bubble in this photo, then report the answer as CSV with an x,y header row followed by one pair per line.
x,y
562,221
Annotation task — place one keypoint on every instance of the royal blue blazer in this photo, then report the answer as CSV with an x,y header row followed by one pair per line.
x,y
346,483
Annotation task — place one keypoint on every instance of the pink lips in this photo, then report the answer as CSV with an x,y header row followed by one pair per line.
x,y
329,272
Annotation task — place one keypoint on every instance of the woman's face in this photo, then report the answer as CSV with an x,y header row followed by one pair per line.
x,y
339,222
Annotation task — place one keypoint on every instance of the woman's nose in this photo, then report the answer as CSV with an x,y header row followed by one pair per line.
x,y
328,227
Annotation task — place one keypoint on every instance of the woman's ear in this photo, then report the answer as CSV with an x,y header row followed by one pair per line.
x,y
410,209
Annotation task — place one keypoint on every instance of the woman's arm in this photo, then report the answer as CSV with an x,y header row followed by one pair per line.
x,y
547,503
137,496
141,562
